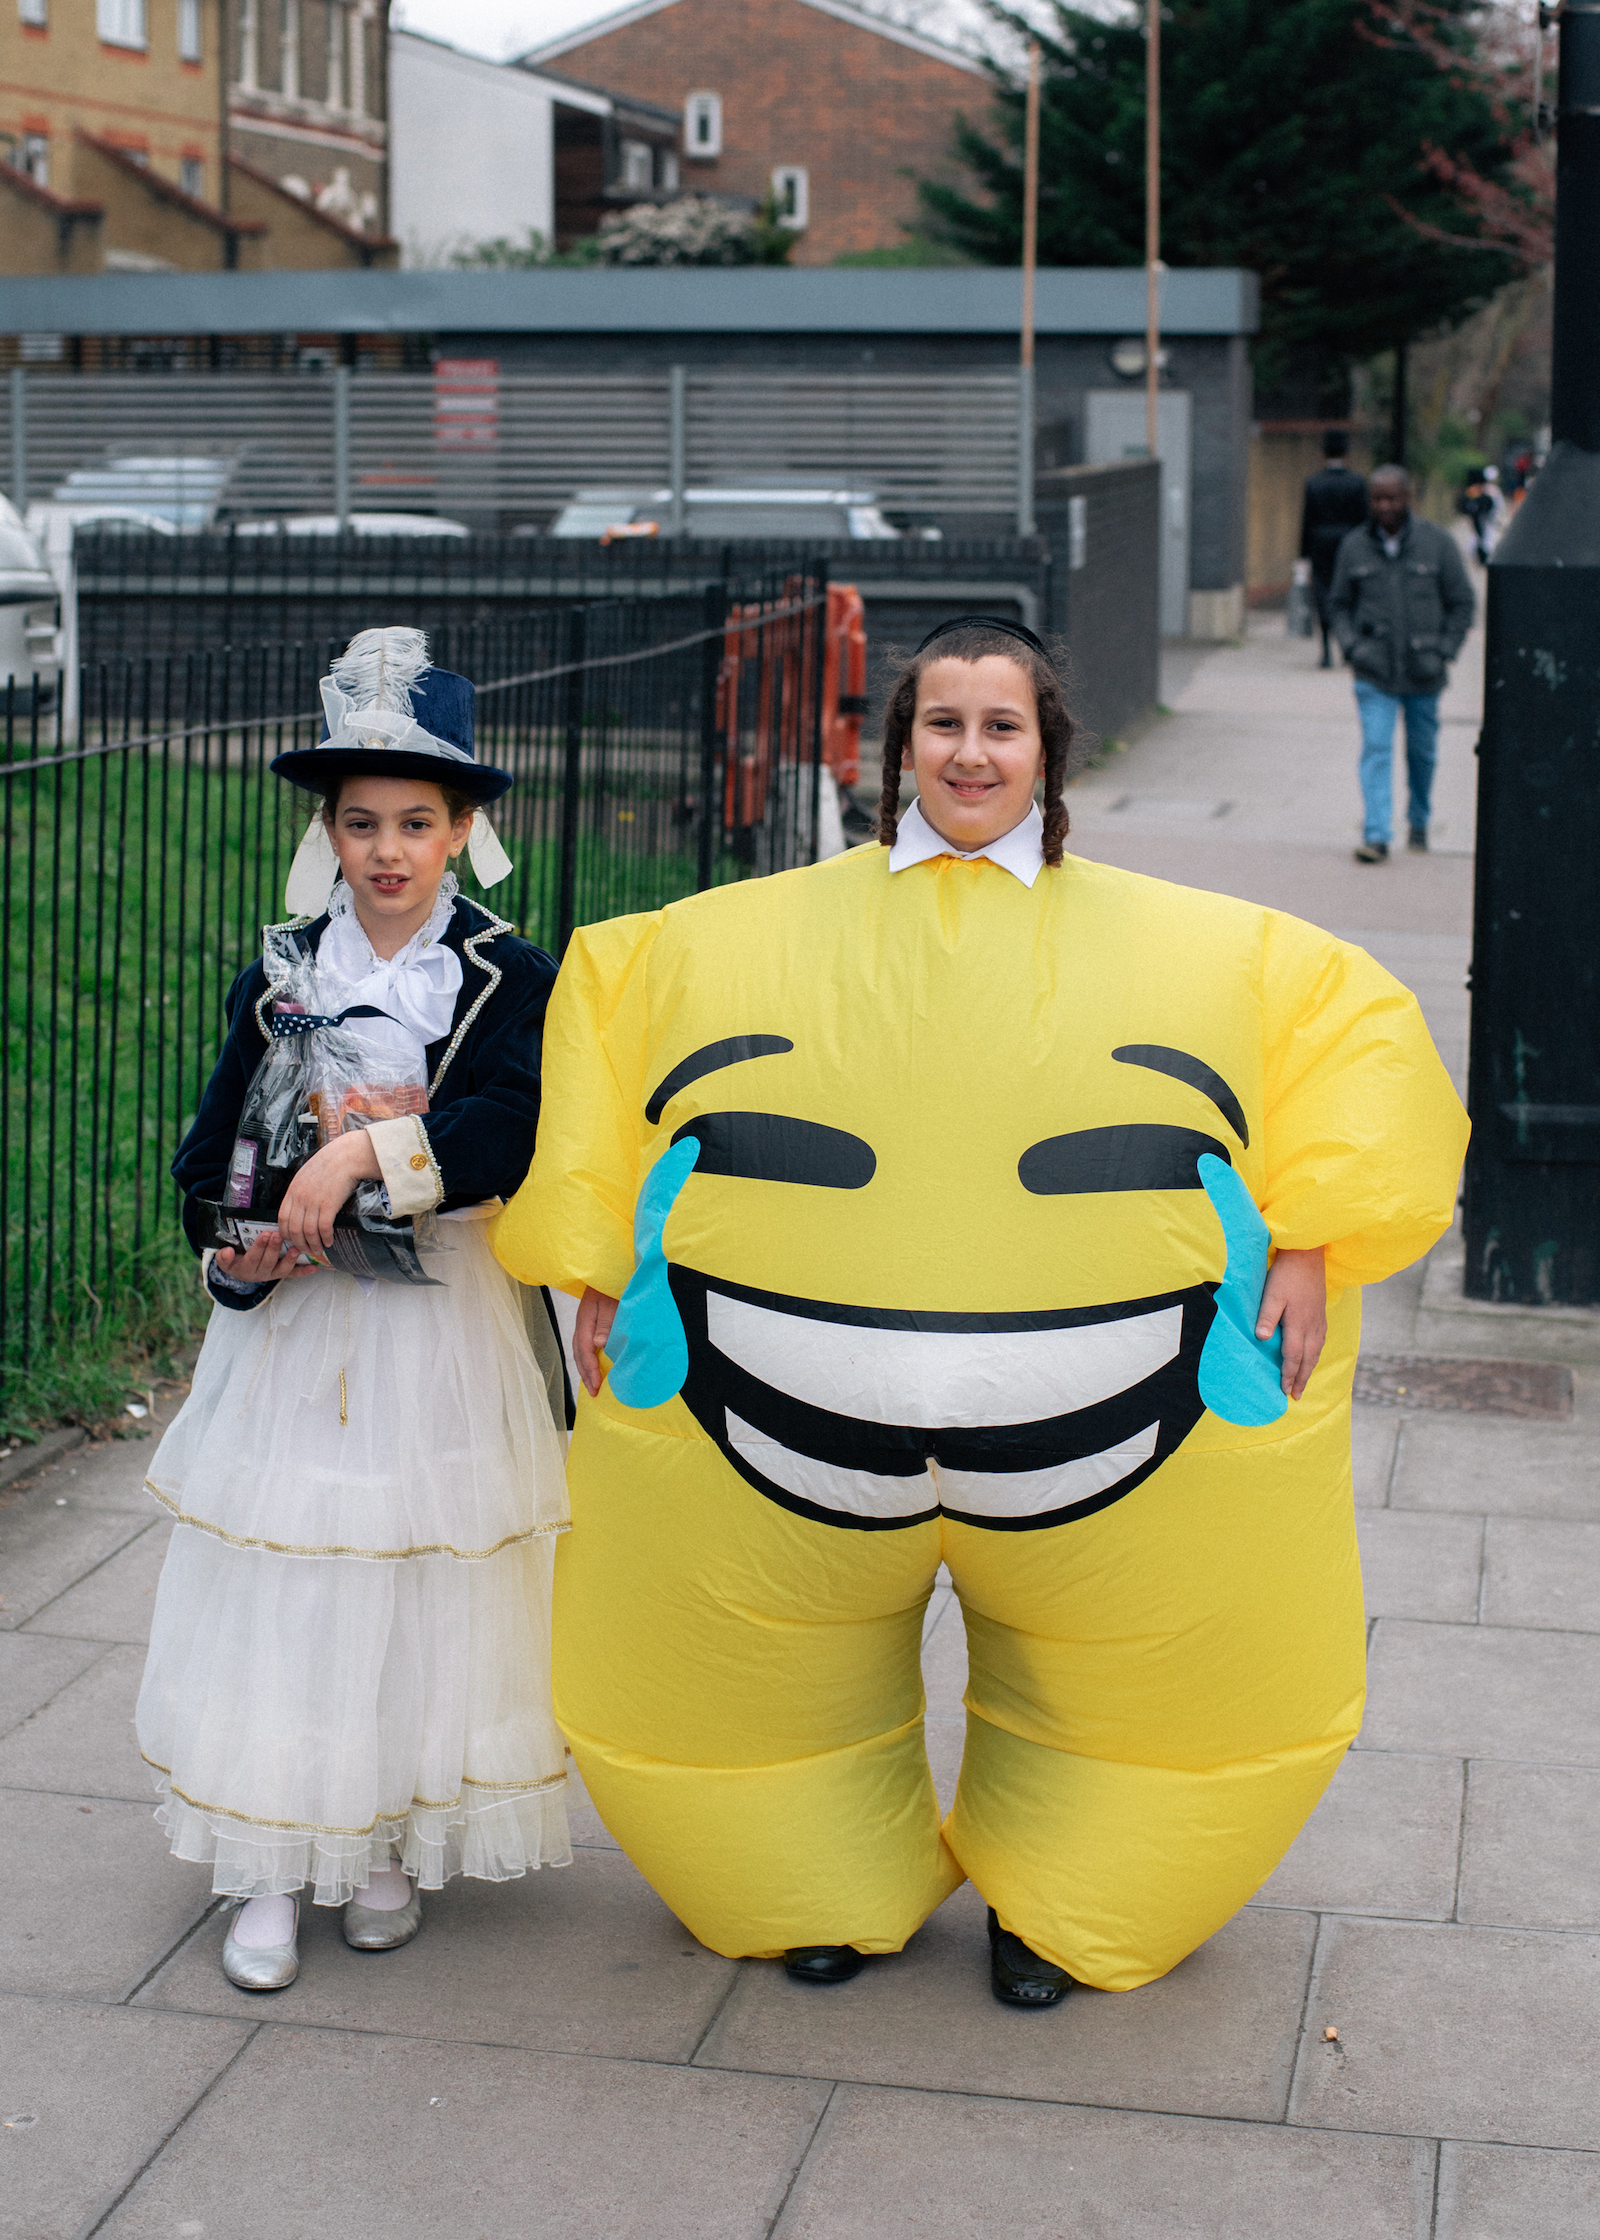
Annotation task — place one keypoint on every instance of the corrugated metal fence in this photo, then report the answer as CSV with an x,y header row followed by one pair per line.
x,y
471,440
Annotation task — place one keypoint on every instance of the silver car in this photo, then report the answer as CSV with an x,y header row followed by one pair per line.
x,y
30,618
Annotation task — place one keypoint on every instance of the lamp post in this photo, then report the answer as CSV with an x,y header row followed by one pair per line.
x,y
1152,225
1030,265
1532,1210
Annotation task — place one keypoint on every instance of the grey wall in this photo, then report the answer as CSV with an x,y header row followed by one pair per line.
x,y
1112,604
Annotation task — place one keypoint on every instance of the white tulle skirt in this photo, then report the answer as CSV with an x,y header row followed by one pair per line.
x,y
350,1654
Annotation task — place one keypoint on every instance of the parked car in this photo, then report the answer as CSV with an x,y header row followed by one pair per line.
x,y
355,525
30,617
774,511
178,492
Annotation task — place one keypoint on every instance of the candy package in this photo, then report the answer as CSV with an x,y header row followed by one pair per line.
x,y
320,1077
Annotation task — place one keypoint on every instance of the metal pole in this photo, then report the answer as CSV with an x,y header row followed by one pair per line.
x,y
341,444
1152,224
1030,261
1532,1201
19,438
571,780
678,447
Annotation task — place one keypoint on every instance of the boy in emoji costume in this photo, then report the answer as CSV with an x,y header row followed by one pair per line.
x,y
928,1179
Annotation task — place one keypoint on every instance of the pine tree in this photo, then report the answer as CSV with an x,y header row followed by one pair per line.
x,y
1294,142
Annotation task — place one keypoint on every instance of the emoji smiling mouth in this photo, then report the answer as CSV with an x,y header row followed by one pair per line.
x,y
874,1420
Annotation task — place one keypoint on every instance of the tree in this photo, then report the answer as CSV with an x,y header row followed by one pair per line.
x,y
1294,143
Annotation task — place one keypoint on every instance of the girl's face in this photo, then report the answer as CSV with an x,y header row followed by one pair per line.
x,y
394,839
975,749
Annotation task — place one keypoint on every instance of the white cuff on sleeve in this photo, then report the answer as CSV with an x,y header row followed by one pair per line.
x,y
406,1161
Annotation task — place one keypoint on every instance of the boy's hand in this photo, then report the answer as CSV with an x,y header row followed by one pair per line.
x,y
597,1311
312,1201
1296,1294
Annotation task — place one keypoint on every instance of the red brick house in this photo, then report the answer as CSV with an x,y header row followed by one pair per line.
x,y
814,101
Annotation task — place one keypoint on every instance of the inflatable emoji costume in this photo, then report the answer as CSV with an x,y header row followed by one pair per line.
x,y
931,1200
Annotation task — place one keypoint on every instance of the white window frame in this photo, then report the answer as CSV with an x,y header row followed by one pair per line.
x,y
668,180
34,13
337,41
636,168
123,23
791,196
196,185
702,109
191,38
289,49
249,45
33,158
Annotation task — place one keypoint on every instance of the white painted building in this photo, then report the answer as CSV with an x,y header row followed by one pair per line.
x,y
471,150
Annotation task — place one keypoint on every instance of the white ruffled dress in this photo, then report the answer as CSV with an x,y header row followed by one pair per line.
x,y
350,1653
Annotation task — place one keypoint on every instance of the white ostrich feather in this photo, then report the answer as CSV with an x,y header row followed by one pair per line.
x,y
378,668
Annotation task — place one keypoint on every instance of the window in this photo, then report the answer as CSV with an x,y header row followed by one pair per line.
x,y
188,30
791,196
335,71
702,126
247,44
31,156
121,23
192,176
668,170
36,12
635,166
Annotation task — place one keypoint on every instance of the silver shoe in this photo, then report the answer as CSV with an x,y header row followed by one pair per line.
x,y
366,1929
263,1967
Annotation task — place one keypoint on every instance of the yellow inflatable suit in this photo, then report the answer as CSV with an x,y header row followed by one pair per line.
x,y
931,1199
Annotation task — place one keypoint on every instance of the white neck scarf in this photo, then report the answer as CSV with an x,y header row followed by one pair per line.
x,y
416,990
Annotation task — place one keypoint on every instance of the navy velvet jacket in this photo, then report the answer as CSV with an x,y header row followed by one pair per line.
x,y
483,1076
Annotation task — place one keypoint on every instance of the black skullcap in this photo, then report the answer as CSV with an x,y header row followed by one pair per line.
x,y
985,622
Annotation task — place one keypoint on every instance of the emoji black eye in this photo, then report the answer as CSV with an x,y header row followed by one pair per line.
x,y
1134,1157
767,1147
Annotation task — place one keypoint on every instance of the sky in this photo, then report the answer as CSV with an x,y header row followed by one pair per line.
x,y
498,28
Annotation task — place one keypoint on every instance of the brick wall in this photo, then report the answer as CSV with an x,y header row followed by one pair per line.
x,y
856,110
61,78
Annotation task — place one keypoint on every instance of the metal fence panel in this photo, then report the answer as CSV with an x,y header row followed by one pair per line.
x,y
660,746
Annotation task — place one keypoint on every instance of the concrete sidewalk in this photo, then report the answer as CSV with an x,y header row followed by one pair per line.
x,y
557,2057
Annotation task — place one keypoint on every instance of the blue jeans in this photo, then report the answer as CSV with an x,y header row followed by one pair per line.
x,y
1378,710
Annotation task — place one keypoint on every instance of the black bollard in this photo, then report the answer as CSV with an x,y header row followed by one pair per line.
x,y
1532,1204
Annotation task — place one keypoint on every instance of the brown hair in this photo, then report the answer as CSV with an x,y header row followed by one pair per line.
x,y
1056,727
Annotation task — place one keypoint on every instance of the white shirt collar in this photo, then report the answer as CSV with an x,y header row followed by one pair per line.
x,y
1019,851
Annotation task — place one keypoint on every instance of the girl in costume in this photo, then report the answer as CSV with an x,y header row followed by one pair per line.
x,y
347,1687
938,1184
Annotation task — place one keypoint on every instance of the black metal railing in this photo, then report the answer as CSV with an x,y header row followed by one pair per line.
x,y
660,746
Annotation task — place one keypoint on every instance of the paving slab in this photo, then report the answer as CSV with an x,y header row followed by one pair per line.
x,y
1455,2033
945,1739
1537,1572
579,1959
1216,2037
87,2095
1530,1853
1418,1564
1383,1840
909,2166
94,1898
589,1831
1516,2193
366,2135
44,1550
32,1670
1480,1692
82,1741
115,1601
1373,1433
944,1665
105,1474
1488,1466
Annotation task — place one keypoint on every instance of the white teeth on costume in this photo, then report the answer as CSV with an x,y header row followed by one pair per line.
x,y
1037,1493
972,1493
858,1493
942,1379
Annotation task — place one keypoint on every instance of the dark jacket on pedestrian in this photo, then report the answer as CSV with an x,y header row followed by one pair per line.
x,y
1401,621
1335,503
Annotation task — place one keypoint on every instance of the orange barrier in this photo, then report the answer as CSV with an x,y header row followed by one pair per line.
x,y
778,729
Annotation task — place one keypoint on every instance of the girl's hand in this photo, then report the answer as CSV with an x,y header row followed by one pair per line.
x,y
1296,1294
597,1310
263,1262
313,1198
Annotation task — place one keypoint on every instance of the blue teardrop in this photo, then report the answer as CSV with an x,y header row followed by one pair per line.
x,y
649,1352
1241,1375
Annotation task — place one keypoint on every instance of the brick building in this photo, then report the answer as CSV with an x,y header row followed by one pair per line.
x,y
118,152
814,102
308,99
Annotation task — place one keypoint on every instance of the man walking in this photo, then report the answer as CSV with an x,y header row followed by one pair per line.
x,y
1335,503
1401,606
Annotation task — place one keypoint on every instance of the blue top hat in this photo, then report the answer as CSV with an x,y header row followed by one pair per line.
x,y
388,711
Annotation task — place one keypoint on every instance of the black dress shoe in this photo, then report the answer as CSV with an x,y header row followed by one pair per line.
x,y
823,1963
1018,1977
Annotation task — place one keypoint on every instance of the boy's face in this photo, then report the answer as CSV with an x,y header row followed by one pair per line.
x,y
975,748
